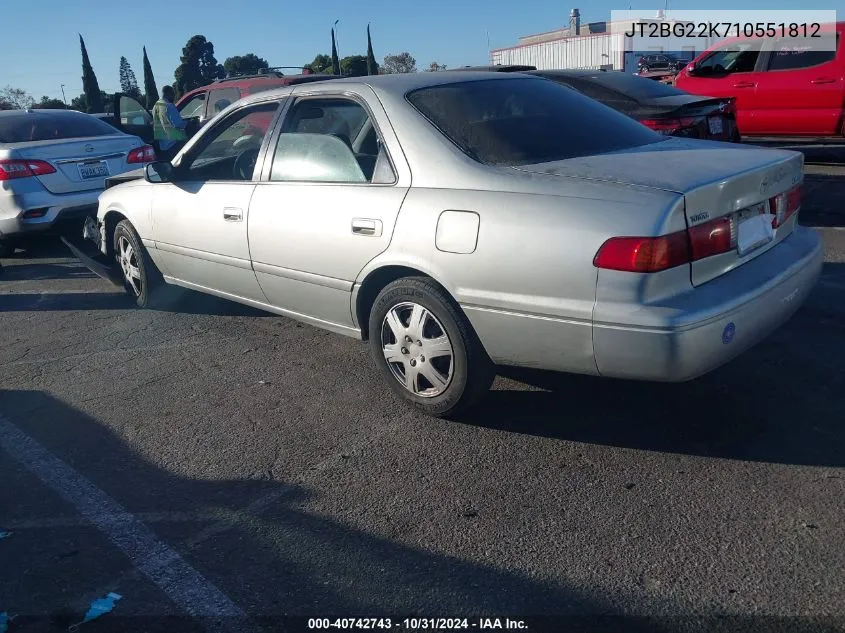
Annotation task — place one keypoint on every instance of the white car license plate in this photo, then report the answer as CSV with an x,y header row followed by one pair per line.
x,y
755,228
99,169
716,125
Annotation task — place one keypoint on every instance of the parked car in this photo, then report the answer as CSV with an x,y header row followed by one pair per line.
x,y
663,61
201,104
663,108
53,166
461,220
782,86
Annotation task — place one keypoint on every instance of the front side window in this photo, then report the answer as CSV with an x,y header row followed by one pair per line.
x,y
732,58
193,108
520,121
330,140
229,150
792,54
219,100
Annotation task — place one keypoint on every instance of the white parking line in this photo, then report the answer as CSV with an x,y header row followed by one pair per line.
x,y
183,584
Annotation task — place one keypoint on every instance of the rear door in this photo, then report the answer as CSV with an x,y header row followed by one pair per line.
x,y
332,185
729,70
802,91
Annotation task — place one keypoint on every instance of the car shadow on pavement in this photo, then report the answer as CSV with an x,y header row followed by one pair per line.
x,y
780,402
250,538
819,204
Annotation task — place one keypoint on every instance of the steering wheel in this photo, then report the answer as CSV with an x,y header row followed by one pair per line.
x,y
245,164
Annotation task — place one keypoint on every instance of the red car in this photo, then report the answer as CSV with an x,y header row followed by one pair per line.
x,y
782,86
201,104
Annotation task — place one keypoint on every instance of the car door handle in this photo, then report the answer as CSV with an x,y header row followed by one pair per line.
x,y
744,84
232,214
366,226
823,80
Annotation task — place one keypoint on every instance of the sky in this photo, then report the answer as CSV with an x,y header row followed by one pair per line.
x,y
41,47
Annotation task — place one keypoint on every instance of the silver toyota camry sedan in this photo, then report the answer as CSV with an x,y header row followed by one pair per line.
x,y
459,221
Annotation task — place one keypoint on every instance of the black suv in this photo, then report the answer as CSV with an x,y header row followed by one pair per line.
x,y
669,63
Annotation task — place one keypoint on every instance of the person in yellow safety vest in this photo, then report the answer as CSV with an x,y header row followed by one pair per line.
x,y
168,125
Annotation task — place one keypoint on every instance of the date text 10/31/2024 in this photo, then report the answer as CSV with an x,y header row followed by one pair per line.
x,y
417,624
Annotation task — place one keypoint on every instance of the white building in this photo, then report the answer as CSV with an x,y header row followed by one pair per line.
x,y
594,45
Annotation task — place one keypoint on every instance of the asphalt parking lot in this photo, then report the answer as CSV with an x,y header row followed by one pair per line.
x,y
223,468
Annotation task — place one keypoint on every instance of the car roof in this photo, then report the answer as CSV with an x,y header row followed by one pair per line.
x,y
248,81
42,112
402,83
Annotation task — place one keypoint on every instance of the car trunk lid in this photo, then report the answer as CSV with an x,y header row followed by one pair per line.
x,y
742,190
81,164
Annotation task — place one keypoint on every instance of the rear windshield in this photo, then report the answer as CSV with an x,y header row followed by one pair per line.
x,y
42,126
632,86
523,121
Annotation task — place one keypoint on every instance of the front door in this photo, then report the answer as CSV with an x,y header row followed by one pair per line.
x,y
133,118
333,182
200,218
729,71
803,89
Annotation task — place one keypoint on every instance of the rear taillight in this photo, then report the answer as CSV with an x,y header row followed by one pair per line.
x,y
712,238
784,206
143,154
668,126
644,254
653,254
12,169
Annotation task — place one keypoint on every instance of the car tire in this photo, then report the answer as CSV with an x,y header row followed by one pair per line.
x,y
456,373
142,280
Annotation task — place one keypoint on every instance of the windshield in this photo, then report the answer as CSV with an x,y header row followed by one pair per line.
x,y
522,121
41,126
632,86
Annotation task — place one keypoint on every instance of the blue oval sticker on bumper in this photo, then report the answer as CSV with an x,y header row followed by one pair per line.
x,y
728,333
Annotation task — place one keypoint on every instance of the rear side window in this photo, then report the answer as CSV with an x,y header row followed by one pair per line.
x,y
524,121
43,126
792,54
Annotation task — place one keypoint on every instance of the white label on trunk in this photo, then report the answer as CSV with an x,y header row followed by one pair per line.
x,y
754,232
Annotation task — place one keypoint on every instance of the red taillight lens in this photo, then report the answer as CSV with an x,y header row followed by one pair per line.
x,y
668,126
784,206
644,254
143,154
712,238
12,169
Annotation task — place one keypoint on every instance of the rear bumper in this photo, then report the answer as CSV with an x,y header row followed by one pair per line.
x,y
692,335
57,207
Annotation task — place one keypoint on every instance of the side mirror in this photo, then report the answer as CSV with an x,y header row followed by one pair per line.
x,y
160,171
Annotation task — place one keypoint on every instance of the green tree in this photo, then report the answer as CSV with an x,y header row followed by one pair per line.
x,y
81,103
93,95
128,82
49,103
150,89
354,65
335,61
372,65
434,67
321,64
15,99
199,67
399,63
249,64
